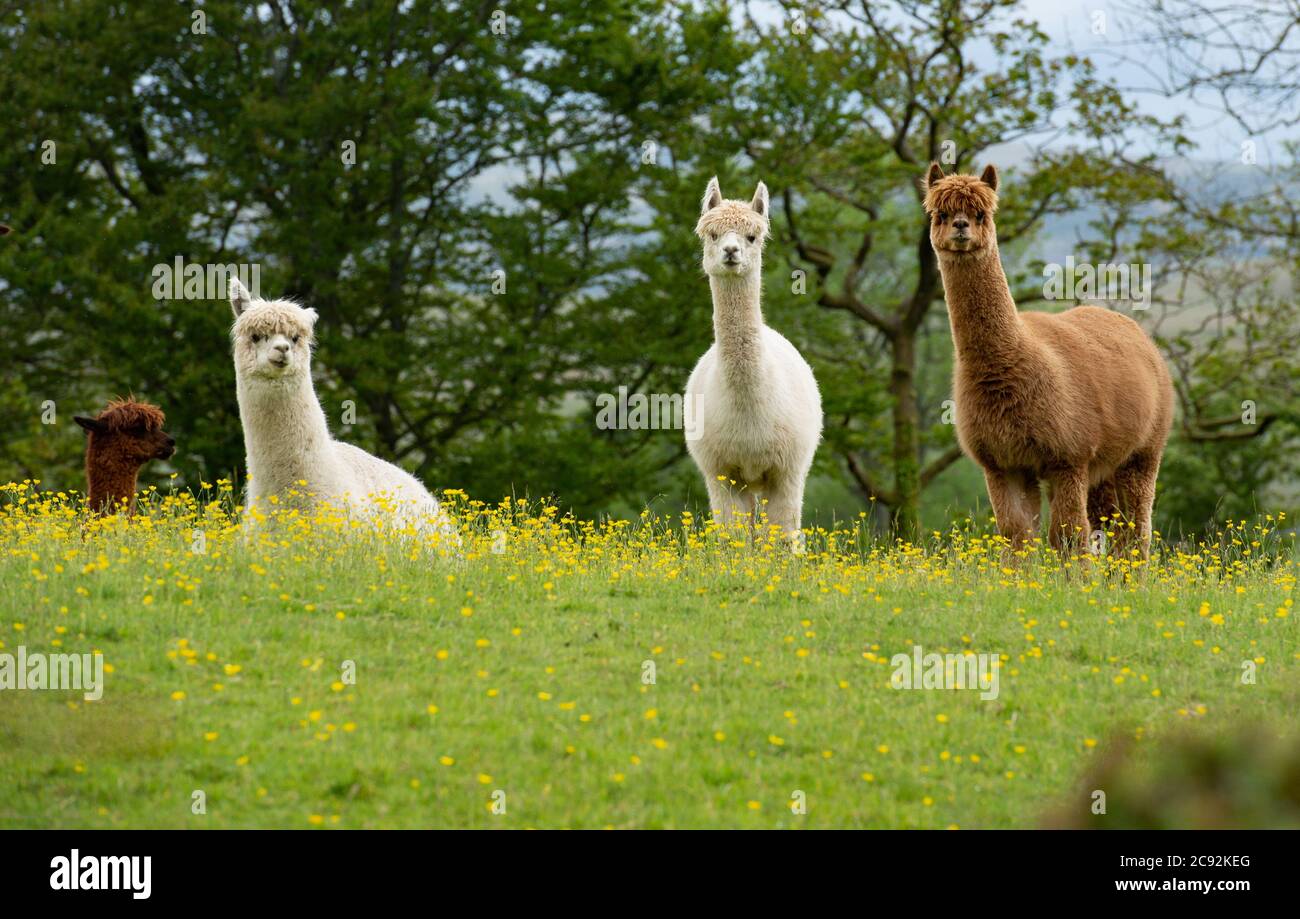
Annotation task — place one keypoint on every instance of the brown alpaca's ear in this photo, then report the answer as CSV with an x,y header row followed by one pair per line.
x,y
90,424
934,175
990,176
712,196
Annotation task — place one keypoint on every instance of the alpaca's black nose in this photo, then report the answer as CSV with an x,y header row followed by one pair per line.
x,y
729,251
960,223
171,441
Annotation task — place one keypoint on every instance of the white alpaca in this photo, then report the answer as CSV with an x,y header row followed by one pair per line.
x,y
759,414
285,435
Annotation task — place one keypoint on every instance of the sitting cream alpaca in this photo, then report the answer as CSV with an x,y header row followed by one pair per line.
x,y
285,435
759,414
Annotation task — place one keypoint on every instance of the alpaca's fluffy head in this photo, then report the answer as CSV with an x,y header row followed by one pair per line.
x,y
732,231
127,434
961,210
272,338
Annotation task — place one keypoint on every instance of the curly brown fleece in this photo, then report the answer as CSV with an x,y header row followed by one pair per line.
x,y
1080,400
121,439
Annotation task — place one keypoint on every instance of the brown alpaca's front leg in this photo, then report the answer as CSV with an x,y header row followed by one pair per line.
x,y
1103,501
1015,503
1136,483
1069,528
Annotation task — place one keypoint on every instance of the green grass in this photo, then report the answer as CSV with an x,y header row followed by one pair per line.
x,y
761,687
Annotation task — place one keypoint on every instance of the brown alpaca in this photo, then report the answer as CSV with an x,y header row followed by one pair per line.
x,y
122,438
1080,400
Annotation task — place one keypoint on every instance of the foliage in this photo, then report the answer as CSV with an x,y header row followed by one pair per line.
x,y
513,236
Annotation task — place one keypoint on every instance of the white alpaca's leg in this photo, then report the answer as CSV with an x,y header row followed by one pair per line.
x,y
249,525
785,506
730,504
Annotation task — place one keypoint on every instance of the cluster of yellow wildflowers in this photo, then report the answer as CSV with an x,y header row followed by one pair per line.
x,y
537,538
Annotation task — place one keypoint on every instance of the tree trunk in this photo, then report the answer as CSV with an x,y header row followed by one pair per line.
x,y
907,436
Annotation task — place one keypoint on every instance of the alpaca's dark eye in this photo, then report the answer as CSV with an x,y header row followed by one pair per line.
x,y
295,339
979,216
750,238
256,339
713,236
943,216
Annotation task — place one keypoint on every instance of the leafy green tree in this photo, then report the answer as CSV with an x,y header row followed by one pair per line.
x,y
358,155
493,215
844,106
1224,249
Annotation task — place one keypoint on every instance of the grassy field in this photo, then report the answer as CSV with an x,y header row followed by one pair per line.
x,y
643,673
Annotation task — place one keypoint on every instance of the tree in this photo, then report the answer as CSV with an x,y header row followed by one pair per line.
x,y
1224,249
845,105
344,150
1240,57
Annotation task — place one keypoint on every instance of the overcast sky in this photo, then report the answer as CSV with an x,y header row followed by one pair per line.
x,y
1070,25
1116,52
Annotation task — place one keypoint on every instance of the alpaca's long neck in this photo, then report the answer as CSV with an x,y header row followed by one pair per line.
x,y
738,327
285,433
986,329
109,484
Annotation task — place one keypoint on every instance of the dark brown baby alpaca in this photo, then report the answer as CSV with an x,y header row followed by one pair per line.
x,y
1080,400
122,438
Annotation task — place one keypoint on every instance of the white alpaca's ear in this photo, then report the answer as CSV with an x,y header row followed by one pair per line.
x,y
312,315
760,203
990,176
934,175
712,196
239,297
